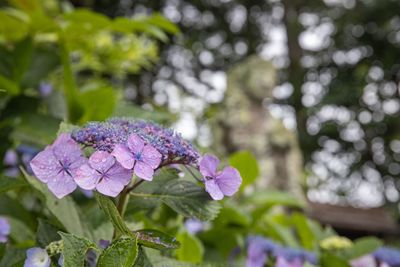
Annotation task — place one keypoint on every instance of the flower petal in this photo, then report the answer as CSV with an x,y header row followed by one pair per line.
x,y
208,165
4,227
229,181
135,143
282,262
143,171
109,187
123,156
37,257
86,177
118,173
66,149
213,189
101,161
151,156
45,166
61,185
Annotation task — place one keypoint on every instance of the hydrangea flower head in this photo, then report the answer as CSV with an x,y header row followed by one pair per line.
x,y
105,135
57,163
363,261
388,255
218,184
143,159
37,257
283,262
291,254
4,229
103,173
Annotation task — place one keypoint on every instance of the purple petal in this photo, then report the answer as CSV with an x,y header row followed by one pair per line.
x,y
151,156
109,187
256,255
282,262
363,261
66,149
229,181
10,158
61,185
45,166
135,143
4,227
123,156
118,173
208,165
86,177
213,189
37,257
101,161
143,171
3,239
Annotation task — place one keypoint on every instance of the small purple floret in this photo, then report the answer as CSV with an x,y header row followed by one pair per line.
x,y
388,255
218,184
4,229
104,174
37,257
143,159
56,165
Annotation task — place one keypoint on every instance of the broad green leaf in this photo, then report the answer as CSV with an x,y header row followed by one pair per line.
x,y
154,259
20,232
12,257
98,104
46,233
304,231
9,86
186,198
363,246
87,19
11,207
7,184
22,56
156,239
191,249
272,198
64,210
108,207
230,215
75,249
121,253
280,232
163,23
8,21
247,165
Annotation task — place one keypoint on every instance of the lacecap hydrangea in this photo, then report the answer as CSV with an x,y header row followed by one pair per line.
x,y
121,148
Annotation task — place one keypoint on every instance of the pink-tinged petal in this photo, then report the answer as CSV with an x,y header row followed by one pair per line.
x,y
66,149
61,185
86,177
101,161
3,239
109,187
123,156
151,156
229,181
144,171
213,189
45,166
135,143
5,228
363,261
208,165
120,174
282,262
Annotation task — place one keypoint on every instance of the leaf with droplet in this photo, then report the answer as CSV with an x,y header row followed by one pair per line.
x,y
156,239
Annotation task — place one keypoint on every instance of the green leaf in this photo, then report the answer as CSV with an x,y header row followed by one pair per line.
x,y
362,246
152,258
247,165
66,128
20,232
184,197
231,216
304,231
46,233
12,257
121,253
272,198
7,184
163,23
156,239
9,86
9,21
22,56
331,260
98,104
64,210
108,207
75,249
191,249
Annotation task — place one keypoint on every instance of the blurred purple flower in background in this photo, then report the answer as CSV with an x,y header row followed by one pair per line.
x,y
218,184
258,249
364,261
57,164
387,255
13,157
37,257
4,229
282,262
104,174
194,226
143,159
45,89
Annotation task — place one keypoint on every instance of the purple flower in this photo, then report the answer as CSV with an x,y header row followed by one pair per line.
x,y
388,255
37,257
218,184
56,165
364,261
143,159
4,229
283,262
45,89
256,254
104,174
10,158
194,226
